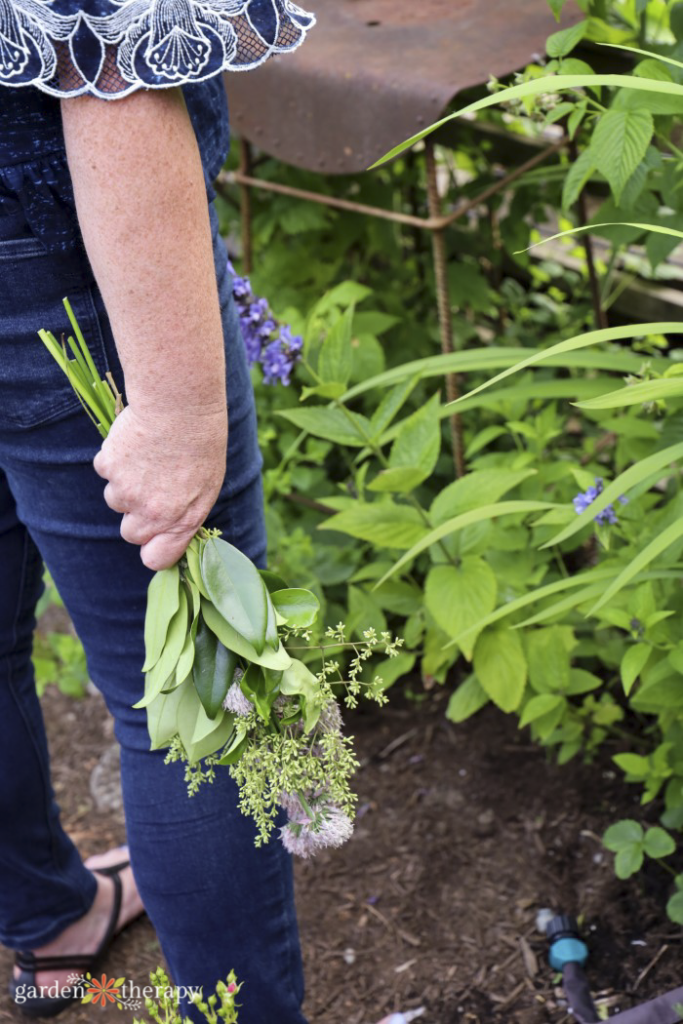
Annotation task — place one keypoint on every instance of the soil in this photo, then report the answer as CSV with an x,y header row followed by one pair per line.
x,y
464,833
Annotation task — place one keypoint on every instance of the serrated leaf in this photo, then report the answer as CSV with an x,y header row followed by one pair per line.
x,y
559,44
299,607
459,597
418,440
401,480
480,487
501,667
382,523
658,843
620,141
391,404
623,834
163,597
469,698
236,590
331,424
334,363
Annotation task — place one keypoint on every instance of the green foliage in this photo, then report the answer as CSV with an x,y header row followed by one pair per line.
x,y
566,620
59,659
165,1009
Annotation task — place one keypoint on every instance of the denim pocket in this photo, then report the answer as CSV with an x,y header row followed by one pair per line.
x,y
33,389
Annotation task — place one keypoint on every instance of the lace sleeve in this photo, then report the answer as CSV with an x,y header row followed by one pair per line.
x,y
109,48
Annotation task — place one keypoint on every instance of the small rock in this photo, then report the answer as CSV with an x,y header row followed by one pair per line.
x,y
543,919
105,782
349,956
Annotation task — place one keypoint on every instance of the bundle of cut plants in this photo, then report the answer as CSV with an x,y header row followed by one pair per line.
x,y
221,688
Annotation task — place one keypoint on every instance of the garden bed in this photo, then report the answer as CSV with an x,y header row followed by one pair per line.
x,y
464,833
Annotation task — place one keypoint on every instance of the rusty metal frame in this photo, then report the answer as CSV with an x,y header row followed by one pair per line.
x,y
437,222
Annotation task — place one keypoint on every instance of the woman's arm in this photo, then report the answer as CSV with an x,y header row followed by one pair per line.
x,y
142,208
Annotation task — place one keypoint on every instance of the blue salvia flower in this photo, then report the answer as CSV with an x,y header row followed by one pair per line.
x,y
587,497
265,341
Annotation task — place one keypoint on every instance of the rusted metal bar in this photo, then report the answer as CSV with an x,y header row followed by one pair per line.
x,y
440,257
245,205
430,223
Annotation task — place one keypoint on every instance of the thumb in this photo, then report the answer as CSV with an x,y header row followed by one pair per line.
x,y
164,550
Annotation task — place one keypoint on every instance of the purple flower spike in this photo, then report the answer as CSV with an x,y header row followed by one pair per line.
x,y
265,341
585,498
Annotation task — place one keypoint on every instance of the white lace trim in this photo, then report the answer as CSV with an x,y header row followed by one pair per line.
x,y
134,43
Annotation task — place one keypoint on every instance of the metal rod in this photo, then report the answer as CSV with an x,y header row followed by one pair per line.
x,y
247,180
440,257
245,205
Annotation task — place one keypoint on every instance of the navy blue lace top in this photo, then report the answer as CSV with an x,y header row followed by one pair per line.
x,y
52,49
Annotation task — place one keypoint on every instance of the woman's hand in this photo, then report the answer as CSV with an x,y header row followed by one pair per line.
x,y
164,472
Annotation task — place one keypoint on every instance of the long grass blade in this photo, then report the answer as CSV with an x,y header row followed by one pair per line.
x,y
648,554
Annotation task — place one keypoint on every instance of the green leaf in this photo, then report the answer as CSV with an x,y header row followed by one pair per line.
x,y
613,491
161,718
272,580
298,680
628,861
331,424
538,706
193,565
382,523
186,659
163,598
390,670
477,515
467,700
501,667
334,363
213,670
234,641
480,487
564,348
401,480
636,394
556,7
622,835
418,440
237,746
561,43
548,659
619,143
535,87
648,554
237,590
457,598
632,664
157,677
633,764
674,908
299,607
658,843
391,404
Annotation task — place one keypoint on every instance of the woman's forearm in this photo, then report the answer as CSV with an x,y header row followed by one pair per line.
x,y
142,209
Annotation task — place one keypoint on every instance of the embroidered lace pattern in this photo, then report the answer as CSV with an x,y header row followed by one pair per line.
x,y
109,48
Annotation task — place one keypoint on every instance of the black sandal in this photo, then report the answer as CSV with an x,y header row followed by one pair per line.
x,y
30,964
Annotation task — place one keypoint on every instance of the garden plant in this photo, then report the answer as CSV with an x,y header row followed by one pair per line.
x,y
548,576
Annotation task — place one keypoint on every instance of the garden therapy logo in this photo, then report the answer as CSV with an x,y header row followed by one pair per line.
x,y
105,991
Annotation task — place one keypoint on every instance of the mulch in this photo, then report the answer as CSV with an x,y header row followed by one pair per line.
x,y
463,834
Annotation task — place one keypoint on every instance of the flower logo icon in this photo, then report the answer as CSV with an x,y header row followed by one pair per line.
x,y
106,990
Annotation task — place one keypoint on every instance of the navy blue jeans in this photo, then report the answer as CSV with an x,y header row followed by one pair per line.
x,y
216,902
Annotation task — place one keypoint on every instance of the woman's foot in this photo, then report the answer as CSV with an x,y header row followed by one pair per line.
x,y
85,935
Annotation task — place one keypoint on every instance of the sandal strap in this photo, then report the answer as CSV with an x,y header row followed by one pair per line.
x,y
28,961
